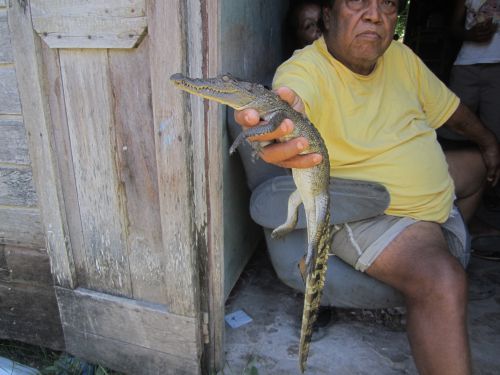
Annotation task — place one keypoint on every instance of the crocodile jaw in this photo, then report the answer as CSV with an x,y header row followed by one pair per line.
x,y
222,89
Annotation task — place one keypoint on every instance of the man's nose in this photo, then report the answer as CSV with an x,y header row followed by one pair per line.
x,y
372,11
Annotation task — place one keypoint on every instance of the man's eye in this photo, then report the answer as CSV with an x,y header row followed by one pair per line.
x,y
356,4
389,6
390,3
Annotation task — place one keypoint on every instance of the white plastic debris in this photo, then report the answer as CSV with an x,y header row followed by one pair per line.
x,y
237,319
10,367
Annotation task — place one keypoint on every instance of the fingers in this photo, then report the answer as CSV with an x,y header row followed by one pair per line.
x,y
247,117
287,154
289,96
493,176
284,154
250,117
492,161
285,128
302,161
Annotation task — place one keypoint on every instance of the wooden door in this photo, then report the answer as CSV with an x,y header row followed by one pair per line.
x,y
127,174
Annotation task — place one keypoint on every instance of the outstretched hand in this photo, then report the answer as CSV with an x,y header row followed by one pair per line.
x,y
284,154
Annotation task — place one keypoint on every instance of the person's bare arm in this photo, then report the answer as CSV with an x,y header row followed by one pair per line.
x,y
466,123
284,154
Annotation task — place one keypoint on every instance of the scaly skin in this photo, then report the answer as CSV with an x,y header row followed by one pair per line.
x,y
312,183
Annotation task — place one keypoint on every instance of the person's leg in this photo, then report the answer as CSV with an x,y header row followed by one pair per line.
x,y
489,95
417,263
467,169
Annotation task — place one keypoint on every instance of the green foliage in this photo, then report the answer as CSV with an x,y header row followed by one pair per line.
x,y
29,355
49,362
69,365
402,19
251,367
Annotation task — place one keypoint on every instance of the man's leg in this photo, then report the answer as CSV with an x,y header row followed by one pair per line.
x,y
466,167
418,263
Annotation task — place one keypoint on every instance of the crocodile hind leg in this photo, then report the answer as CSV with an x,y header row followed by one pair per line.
x,y
316,223
294,202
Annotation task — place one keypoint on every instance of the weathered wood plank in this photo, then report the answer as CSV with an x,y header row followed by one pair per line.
x,y
13,145
136,165
29,313
173,156
127,358
89,105
21,227
216,155
36,114
9,95
16,187
25,265
5,47
89,23
206,132
63,157
149,325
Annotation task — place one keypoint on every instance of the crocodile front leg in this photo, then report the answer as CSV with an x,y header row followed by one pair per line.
x,y
273,121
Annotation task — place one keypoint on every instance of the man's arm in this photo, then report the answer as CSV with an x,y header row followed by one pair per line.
x,y
465,122
284,154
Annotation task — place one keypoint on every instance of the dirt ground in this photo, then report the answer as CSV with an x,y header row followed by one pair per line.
x,y
356,341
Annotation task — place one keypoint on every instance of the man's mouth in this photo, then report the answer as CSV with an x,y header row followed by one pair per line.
x,y
371,35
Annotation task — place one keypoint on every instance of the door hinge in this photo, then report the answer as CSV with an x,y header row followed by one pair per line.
x,y
205,330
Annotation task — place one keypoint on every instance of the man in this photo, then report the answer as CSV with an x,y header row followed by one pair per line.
x,y
377,106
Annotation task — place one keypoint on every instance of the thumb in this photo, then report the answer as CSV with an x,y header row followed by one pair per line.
x,y
291,97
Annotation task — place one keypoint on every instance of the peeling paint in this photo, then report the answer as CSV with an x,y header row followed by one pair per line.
x,y
165,125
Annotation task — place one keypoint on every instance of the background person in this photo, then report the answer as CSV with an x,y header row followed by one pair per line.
x,y
475,78
303,24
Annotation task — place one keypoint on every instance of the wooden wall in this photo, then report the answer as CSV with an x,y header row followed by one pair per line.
x,y
132,205
28,306
121,174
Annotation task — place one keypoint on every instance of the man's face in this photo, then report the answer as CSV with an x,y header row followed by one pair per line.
x,y
359,31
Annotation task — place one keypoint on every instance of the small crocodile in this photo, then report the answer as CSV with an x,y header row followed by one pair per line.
x,y
312,183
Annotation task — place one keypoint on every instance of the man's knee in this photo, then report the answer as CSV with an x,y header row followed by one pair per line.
x,y
418,263
444,282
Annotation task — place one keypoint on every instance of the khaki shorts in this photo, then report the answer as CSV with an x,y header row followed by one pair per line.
x,y
359,243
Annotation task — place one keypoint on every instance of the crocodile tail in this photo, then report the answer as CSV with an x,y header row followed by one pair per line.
x,y
315,282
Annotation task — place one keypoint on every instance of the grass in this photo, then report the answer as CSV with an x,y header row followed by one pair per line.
x,y
49,362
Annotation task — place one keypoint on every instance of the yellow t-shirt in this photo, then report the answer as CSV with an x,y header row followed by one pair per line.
x,y
380,127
